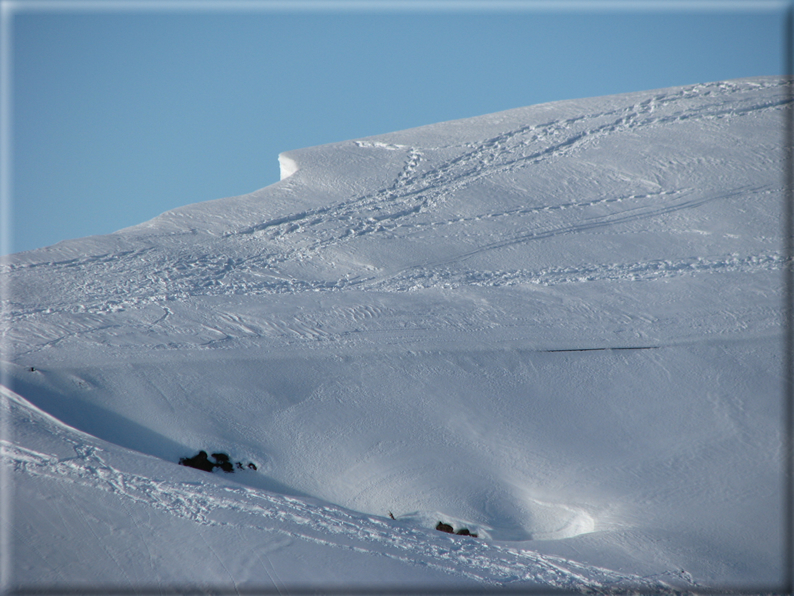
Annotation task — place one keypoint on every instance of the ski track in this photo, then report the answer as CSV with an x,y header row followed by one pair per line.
x,y
207,504
503,153
36,335
104,284
392,209
105,300
434,275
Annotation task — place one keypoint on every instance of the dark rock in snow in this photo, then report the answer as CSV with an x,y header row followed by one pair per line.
x,y
442,527
200,462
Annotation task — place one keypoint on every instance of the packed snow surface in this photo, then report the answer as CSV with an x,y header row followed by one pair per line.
x,y
558,326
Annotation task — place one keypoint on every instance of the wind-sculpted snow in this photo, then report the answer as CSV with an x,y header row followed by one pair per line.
x,y
419,201
233,508
558,326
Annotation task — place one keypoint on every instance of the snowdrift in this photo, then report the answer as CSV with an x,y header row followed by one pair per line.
x,y
558,326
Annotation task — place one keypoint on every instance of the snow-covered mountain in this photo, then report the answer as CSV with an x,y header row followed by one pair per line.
x,y
558,326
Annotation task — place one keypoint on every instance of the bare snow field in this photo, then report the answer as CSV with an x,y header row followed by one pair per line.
x,y
558,326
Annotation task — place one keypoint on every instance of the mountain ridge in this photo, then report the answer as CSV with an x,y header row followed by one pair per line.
x,y
451,323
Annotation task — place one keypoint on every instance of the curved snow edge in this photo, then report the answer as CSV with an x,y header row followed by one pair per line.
x,y
287,166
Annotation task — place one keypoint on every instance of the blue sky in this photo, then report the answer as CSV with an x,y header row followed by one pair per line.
x,y
121,113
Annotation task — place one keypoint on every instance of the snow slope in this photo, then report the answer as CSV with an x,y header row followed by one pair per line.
x,y
559,326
